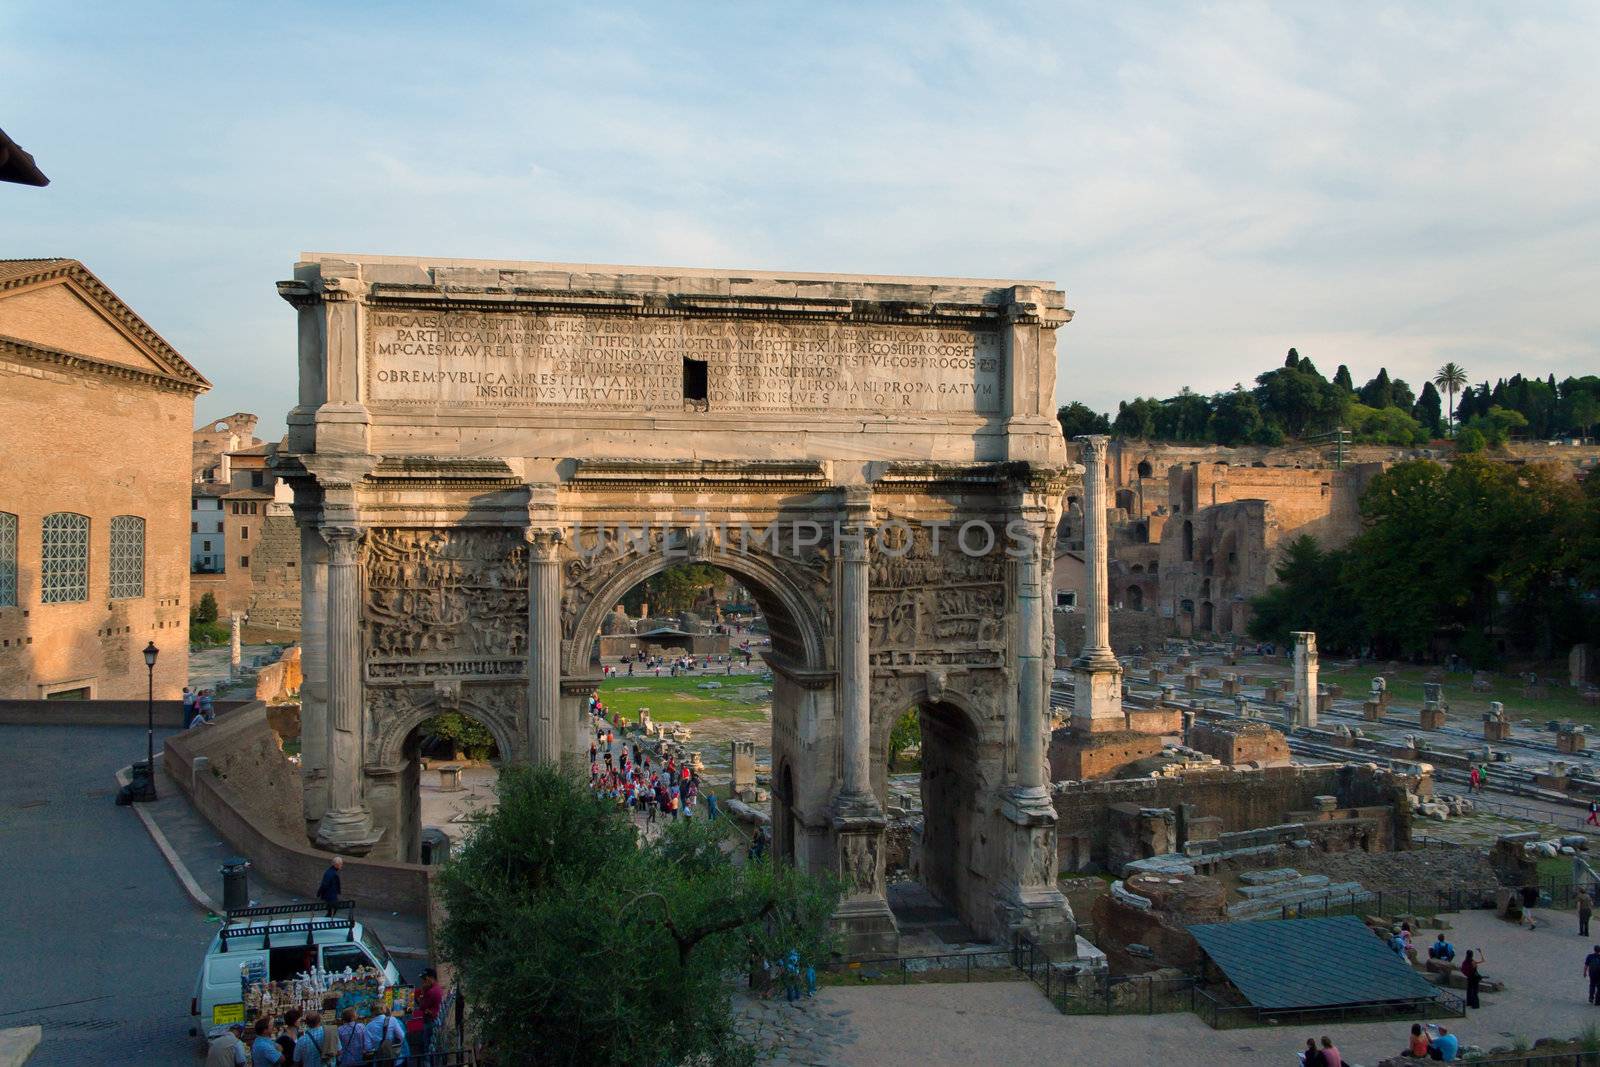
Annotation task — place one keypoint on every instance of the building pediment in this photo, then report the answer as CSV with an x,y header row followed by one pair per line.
x,y
51,308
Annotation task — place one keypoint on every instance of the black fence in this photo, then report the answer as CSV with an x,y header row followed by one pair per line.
x,y
456,1058
937,967
1076,992
1540,1059
1223,1015
1389,902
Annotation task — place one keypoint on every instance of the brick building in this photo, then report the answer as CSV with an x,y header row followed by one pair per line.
x,y
247,547
94,540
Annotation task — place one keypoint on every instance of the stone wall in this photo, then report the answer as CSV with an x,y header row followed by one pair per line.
x,y
1232,800
275,572
168,713
1076,758
1129,630
1239,744
277,856
280,680
134,462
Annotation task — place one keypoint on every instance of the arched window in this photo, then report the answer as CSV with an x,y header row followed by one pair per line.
x,y
127,557
8,560
64,561
1135,598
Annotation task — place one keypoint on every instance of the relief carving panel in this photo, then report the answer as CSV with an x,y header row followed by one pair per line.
x,y
933,603
446,602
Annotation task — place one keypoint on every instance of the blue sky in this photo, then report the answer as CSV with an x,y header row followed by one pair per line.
x,y
1376,184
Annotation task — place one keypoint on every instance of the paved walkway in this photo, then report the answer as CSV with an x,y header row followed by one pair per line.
x,y
99,945
201,850
1012,1023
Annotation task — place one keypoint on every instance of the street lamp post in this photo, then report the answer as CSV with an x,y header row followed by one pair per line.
x,y
149,790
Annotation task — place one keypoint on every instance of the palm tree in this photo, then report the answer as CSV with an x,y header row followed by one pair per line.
x,y
1450,378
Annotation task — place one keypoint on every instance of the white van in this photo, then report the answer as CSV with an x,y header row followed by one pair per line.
x,y
274,943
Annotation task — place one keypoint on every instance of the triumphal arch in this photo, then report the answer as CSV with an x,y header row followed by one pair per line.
x,y
486,456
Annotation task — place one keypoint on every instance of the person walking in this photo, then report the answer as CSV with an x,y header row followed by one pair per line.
x,y
328,891
1594,813
1591,971
1472,967
1475,780
1585,909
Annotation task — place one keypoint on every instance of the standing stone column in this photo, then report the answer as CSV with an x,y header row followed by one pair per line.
x,y
544,644
1097,677
865,922
1305,678
855,673
235,653
314,674
347,824
1032,717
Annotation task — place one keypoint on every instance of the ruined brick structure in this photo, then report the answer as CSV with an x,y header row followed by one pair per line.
x,y
1094,831
1239,744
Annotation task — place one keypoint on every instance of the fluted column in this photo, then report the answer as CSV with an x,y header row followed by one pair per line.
x,y
1097,622
1031,699
347,825
855,670
544,643
1097,677
314,673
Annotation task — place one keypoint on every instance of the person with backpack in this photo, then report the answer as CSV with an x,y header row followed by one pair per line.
x,y
354,1041
386,1037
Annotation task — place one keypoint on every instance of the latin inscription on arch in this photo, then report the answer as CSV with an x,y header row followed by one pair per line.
x,y
542,360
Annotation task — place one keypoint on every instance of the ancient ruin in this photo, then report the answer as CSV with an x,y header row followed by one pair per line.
x,y
486,456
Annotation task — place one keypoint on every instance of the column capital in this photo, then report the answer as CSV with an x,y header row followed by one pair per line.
x,y
343,542
544,543
853,546
1093,443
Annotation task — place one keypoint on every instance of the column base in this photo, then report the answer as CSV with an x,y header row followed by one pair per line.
x,y
1029,806
348,833
866,928
1097,697
863,921
1040,913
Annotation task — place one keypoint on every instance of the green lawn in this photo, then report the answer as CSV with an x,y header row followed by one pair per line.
x,y
682,700
1405,687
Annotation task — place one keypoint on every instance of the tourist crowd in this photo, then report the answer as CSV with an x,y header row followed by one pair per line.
x,y
635,779
678,665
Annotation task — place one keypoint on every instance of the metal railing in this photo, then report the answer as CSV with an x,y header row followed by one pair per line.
x,y
936,967
1220,1015
1540,1059
1076,992
1382,902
